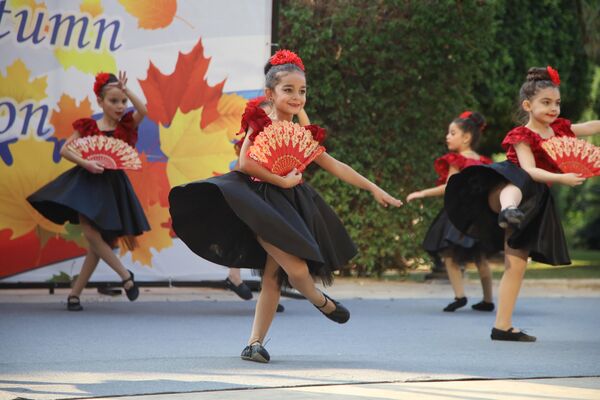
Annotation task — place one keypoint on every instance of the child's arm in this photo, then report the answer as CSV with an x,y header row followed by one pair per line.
x,y
140,108
252,168
303,119
527,162
92,166
349,175
434,191
586,128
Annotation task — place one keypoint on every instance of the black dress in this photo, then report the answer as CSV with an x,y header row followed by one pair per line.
x,y
442,238
107,199
540,232
219,219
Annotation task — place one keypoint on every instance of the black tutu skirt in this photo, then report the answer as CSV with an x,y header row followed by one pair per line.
x,y
442,238
541,232
106,199
219,219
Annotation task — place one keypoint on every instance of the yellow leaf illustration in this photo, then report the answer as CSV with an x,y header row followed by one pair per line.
x,y
193,154
32,168
87,61
93,7
18,85
157,238
230,109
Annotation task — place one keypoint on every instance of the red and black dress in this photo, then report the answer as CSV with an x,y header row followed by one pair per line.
x,y
219,218
442,236
106,199
540,232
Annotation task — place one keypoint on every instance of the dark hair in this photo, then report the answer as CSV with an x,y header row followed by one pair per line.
x,y
111,79
538,78
273,74
474,124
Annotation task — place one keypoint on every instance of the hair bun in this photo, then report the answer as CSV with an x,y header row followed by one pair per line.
x,y
537,74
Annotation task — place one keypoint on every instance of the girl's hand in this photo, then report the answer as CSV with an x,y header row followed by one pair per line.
x,y
122,82
572,179
292,179
384,198
414,195
93,166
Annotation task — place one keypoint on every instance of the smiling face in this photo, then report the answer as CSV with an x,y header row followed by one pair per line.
x,y
456,139
544,106
113,102
289,95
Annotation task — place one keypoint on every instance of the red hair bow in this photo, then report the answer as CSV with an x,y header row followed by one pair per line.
x,y
465,115
101,80
286,57
554,77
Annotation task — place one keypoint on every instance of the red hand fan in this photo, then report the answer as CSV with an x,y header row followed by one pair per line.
x,y
110,152
283,146
574,155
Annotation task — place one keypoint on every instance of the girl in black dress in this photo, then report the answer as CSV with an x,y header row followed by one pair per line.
x,y
251,217
442,238
102,201
509,205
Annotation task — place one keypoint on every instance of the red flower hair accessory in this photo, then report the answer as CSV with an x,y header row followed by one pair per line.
x,y
554,77
465,115
101,80
286,57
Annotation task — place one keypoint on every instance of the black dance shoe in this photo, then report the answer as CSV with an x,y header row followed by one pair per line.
x,y
256,352
341,315
483,306
511,216
242,290
456,304
509,335
74,304
134,291
280,308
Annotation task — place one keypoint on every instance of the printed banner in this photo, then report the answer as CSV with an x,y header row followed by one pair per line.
x,y
194,62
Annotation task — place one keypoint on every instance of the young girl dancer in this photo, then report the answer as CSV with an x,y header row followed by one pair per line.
x,y
442,238
509,204
102,201
251,217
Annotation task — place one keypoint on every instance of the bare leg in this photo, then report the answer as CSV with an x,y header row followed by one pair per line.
x,y
266,305
515,262
103,250
89,265
485,275
297,272
235,276
455,277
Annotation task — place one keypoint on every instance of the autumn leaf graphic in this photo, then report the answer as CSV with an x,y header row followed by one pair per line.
x,y
68,111
92,7
153,14
194,154
150,182
230,109
158,238
89,61
185,89
32,168
18,85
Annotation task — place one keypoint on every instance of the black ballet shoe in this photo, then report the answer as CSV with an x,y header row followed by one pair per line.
x,y
134,291
74,304
280,308
510,216
509,335
456,304
483,306
255,352
341,315
242,290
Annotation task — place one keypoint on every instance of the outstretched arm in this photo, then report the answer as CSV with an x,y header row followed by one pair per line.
x,y
349,175
586,128
434,191
140,108
527,162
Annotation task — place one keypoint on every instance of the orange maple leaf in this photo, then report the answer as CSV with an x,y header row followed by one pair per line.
x,y
186,89
68,111
150,183
153,14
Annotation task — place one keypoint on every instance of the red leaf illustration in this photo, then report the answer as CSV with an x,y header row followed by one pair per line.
x,y
186,88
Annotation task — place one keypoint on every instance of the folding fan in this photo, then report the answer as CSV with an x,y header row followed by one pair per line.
x,y
283,146
574,155
112,153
